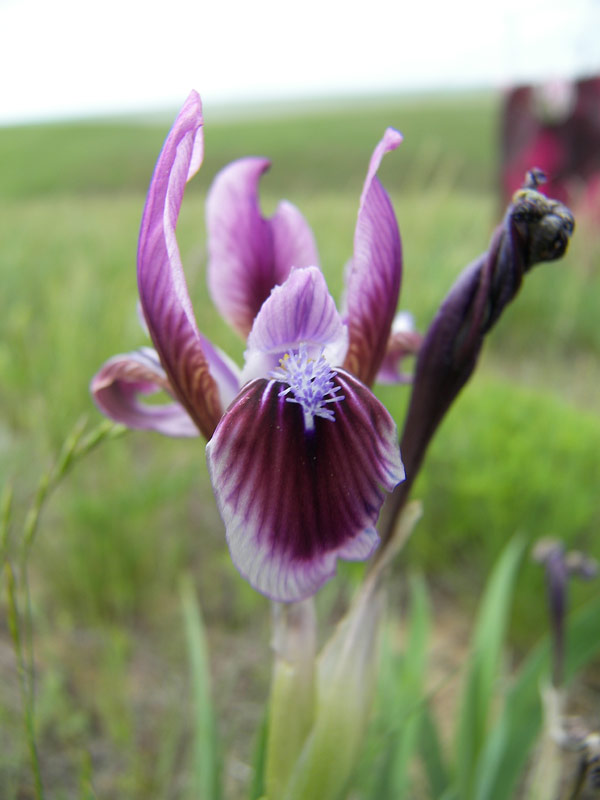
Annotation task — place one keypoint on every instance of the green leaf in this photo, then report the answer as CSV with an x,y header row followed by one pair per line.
x,y
432,756
292,697
5,518
509,744
206,762
402,692
257,787
483,665
346,683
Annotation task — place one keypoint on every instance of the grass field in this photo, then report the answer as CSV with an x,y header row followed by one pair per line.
x,y
518,452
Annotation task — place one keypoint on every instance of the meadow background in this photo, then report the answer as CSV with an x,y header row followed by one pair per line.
x,y
518,452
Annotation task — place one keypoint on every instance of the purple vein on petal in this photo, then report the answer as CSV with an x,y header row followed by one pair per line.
x,y
299,311
374,277
293,502
121,380
248,253
187,356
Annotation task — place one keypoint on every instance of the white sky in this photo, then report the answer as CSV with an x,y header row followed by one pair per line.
x,y
79,57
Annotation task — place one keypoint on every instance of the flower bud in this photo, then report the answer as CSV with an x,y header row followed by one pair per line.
x,y
534,229
559,567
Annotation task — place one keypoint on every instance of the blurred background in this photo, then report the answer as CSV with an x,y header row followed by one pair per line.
x,y
87,95
69,58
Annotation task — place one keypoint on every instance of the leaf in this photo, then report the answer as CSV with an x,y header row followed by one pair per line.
x,y
402,700
257,787
432,756
509,744
292,696
482,669
206,762
346,678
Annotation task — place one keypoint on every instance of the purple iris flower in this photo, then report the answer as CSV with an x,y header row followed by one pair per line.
x,y
300,451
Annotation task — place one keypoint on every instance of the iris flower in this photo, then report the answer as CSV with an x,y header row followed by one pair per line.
x,y
300,452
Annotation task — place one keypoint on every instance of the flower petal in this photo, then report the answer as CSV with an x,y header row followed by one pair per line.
x,y
404,341
122,378
248,254
294,502
299,311
183,351
375,273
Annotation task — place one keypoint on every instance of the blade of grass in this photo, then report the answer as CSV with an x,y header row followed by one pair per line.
x,y
206,767
482,670
402,695
436,770
5,520
17,590
509,744
5,517
24,679
257,787
86,789
75,447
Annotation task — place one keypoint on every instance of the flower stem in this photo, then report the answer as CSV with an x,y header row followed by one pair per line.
x,y
292,701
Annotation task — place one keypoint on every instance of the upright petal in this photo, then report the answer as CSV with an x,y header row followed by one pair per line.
x,y
116,387
184,352
299,311
375,273
247,254
293,502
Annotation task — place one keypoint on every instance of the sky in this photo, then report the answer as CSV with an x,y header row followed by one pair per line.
x,y
75,58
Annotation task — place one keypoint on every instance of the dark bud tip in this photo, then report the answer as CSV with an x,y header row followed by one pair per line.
x,y
545,224
534,178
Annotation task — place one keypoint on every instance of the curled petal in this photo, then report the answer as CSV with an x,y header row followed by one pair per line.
x,y
248,254
185,354
404,341
374,277
292,501
116,387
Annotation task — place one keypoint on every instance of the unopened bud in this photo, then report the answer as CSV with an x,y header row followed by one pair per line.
x,y
560,566
534,229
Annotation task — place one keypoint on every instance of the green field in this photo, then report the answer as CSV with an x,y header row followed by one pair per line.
x,y
518,452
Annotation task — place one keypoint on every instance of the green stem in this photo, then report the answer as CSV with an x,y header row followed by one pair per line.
x,y
292,700
24,679
75,447
545,776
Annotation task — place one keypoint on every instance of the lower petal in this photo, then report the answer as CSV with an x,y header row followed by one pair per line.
x,y
292,501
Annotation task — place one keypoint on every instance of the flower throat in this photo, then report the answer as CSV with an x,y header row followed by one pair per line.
x,y
310,384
